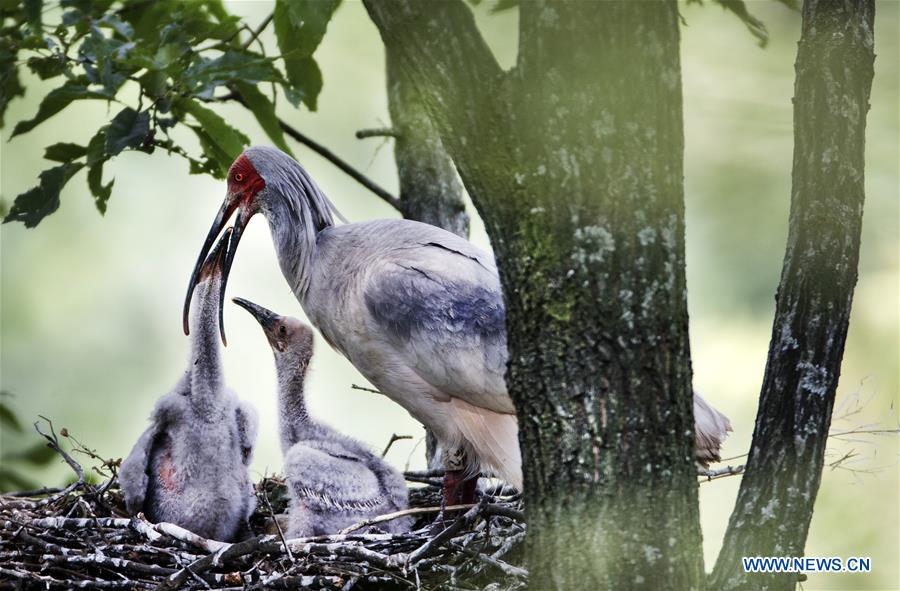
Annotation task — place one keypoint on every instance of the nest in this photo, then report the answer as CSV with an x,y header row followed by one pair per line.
x,y
80,537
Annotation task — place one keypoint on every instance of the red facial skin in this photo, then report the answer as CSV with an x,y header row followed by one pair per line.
x,y
243,180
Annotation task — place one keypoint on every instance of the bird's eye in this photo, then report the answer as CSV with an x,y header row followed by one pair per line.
x,y
238,177
282,330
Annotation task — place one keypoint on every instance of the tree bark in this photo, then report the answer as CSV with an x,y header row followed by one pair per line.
x,y
430,190
574,161
774,506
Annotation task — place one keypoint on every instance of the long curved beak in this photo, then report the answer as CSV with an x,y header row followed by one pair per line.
x,y
231,203
214,263
266,318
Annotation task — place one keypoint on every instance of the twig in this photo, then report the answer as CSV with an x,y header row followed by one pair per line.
x,y
38,492
454,528
364,389
709,475
377,132
254,34
404,513
334,159
432,477
394,438
287,548
53,442
424,474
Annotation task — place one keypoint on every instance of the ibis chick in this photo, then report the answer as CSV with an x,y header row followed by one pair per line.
x,y
334,480
190,466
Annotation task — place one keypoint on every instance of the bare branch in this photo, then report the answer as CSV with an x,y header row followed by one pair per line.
x,y
364,389
709,475
394,438
378,132
398,514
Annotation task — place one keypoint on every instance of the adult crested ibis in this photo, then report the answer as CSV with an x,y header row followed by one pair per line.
x,y
333,480
190,466
418,310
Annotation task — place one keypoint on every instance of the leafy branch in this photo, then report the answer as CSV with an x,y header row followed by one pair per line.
x,y
182,58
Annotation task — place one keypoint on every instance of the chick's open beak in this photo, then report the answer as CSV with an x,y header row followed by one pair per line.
x,y
245,211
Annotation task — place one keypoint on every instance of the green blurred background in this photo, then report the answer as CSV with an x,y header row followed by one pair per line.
x,y
91,330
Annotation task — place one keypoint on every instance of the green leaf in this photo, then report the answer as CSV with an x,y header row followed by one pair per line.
x,y
33,10
9,418
64,152
96,150
306,81
113,21
128,129
34,205
55,101
105,60
100,191
300,26
264,111
229,141
217,161
204,75
10,86
47,67
756,27
154,83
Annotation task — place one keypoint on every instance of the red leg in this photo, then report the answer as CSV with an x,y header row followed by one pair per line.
x,y
452,481
467,490
457,489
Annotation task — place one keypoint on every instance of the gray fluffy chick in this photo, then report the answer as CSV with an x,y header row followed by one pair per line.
x,y
190,466
334,480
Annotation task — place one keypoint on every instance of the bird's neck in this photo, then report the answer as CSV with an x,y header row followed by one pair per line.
x,y
295,244
295,422
205,364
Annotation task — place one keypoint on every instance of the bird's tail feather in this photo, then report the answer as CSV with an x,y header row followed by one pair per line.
x,y
711,427
493,440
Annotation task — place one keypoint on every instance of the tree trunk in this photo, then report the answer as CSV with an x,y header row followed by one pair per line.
x,y
430,190
775,502
574,160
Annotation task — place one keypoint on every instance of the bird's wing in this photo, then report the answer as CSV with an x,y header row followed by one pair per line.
x,y
247,426
135,470
323,474
133,476
439,304
710,427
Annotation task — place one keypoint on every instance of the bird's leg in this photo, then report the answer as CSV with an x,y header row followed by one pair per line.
x,y
466,491
455,484
454,461
451,488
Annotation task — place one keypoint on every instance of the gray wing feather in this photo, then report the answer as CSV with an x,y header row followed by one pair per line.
x,y
323,473
441,307
134,472
133,476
